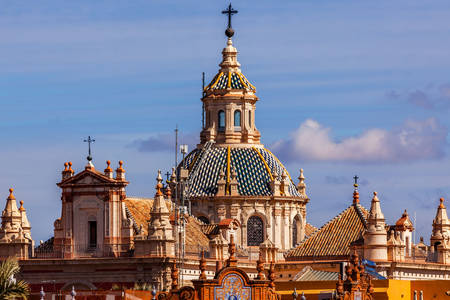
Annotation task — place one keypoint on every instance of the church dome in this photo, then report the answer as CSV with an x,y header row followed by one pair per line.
x,y
230,160
254,168
230,80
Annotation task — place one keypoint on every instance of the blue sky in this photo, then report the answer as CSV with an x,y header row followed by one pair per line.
x,y
348,87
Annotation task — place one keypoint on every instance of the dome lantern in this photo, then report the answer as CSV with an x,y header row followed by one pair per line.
x,y
229,100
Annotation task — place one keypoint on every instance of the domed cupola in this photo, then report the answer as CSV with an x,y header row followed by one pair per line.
x,y
231,176
229,103
230,76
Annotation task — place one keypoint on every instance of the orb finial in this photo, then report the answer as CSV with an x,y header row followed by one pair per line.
x,y
70,167
159,184
11,195
441,204
230,11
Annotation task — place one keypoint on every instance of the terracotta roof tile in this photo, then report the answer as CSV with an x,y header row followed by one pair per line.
x,y
334,238
225,222
309,229
210,229
404,222
194,234
140,209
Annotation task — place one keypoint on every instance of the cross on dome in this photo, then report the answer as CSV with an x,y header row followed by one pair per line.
x,y
230,11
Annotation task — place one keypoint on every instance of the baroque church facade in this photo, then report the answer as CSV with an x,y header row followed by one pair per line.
x,y
236,188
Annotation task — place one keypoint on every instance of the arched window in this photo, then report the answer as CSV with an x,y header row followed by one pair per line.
x,y
294,233
237,118
204,219
221,119
296,230
250,118
255,231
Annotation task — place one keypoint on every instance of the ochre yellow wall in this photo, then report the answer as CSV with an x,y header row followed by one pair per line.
x,y
432,289
398,289
384,289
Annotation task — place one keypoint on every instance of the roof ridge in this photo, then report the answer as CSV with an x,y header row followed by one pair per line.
x,y
129,215
359,209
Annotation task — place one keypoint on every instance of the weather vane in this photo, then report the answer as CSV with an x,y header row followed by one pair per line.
x,y
230,11
89,141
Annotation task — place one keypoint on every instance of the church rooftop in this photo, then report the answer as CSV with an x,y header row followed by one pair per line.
x,y
335,237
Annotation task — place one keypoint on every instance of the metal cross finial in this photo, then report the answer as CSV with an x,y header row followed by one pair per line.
x,y
356,182
167,175
230,11
89,141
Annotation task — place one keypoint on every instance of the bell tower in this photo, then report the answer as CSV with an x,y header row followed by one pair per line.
x,y
229,100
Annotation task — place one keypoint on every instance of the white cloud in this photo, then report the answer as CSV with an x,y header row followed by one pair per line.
x,y
414,140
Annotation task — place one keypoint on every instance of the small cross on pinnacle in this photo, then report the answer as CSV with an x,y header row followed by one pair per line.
x,y
356,181
230,11
89,140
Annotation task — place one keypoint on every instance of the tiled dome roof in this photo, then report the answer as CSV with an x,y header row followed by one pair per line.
x,y
230,75
253,166
232,80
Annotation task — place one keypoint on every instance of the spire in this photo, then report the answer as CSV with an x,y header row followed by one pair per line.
x,y
11,216
159,185
160,239
159,204
441,224
375,208
441,214
355,191
375,236
159,226
25,223
301,186
11,209
15,234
